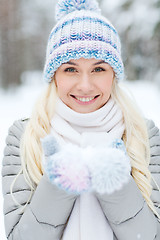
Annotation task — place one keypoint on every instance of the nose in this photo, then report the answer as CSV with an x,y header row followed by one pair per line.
x,y
85,84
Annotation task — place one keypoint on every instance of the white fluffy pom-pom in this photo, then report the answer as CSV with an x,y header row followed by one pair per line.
x,y
109,170
65,7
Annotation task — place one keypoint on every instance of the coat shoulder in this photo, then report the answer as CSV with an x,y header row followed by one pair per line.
x,y
153,130
12,148
15,132
17,128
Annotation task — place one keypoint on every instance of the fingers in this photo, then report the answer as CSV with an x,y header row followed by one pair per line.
x,y
49,145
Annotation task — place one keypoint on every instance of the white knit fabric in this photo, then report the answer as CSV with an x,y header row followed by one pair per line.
x,y
85,34
101,127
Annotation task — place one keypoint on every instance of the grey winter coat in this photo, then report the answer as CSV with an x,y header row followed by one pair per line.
x,y
47,212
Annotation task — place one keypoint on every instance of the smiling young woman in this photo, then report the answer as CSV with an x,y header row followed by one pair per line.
x,y
83,166
84,85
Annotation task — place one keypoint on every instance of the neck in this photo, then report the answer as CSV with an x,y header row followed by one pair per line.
x,y
84,119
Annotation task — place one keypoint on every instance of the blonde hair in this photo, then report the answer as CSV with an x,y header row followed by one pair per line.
x,y
37,127
135,138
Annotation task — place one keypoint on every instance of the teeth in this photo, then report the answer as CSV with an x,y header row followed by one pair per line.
x,y
85,99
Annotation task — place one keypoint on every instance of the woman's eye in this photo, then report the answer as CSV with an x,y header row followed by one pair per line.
x,y
99,69
70,69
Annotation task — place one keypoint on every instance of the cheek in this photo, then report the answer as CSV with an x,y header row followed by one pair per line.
x,y
60,88
58,84
63,87
106,86
62,84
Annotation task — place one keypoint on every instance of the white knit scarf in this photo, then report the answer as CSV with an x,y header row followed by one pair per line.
x,y
87,220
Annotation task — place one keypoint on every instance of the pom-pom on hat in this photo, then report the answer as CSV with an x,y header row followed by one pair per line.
x,y
64,7
81,31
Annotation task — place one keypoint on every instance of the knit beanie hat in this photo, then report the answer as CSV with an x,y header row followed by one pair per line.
x,y
81,31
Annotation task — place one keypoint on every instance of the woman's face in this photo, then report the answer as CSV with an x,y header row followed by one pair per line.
x,y
84,85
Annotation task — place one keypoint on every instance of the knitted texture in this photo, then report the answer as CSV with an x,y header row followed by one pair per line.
x,y
81,31
78,170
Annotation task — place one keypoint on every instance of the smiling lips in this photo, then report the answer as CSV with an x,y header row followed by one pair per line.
x,y
85,100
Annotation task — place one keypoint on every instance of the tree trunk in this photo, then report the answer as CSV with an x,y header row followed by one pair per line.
x,y
10,64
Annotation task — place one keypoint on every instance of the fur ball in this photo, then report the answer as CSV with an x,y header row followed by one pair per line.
x,y
65,7
77,169
109,169
67,169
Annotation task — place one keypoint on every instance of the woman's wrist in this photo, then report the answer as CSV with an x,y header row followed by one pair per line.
x,y
122,204
50,204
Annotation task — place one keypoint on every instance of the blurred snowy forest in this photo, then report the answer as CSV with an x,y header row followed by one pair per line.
x,y
24,30
25,26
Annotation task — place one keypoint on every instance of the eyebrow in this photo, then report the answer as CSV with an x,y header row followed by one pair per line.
x,y
102,61
72,63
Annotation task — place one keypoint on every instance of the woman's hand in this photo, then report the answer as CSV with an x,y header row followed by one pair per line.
x,y
109,168
65,166
76,169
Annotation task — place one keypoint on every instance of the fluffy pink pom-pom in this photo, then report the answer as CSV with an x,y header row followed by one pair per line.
x,y
73,178
67,169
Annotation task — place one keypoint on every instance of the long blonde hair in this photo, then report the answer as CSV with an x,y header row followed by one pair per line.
x,y
135,138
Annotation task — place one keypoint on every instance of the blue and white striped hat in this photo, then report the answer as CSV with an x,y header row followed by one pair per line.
x,y
81,31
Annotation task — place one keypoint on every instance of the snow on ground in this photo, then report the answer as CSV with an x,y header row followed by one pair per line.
x,y
17,103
